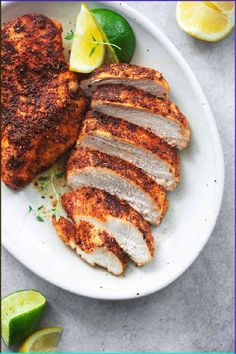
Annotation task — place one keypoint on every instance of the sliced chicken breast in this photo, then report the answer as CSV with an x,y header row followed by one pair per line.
x,y
140,77
90,168
132,143
95,246
161,117
118,218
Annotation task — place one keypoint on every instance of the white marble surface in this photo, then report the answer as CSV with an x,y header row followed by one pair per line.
x,y
195,313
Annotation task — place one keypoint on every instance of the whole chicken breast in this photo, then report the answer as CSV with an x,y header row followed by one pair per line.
x,y
42,104
162,117
117,137
117,217
95,246
90,168
143,78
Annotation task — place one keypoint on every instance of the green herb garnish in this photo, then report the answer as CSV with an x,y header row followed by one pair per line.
x,y
57,209
39,218
92,51
59,174
70,35
36,212
96,42
45,180
49,180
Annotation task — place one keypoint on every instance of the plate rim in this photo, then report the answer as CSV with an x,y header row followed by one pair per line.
x,y
166,42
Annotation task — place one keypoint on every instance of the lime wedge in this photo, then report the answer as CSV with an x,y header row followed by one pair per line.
x,y
21,314
87,51
118,32
43,340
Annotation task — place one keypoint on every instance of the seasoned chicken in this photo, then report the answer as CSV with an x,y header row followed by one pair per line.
x,y
118,218
42,103
90,168
132,143
140,77
161,117
95,246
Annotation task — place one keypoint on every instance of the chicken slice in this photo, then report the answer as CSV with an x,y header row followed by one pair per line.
x,y
140,77
90,168
161,117
132,143
118,218
93,245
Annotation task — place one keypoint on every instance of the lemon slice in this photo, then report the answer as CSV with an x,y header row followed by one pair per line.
x,y
86,52
205,20
43,340
21,314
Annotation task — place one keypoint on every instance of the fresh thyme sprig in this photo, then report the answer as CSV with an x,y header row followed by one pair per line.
x,y
59,174
57,209
94,40
49,180
70,35
44,181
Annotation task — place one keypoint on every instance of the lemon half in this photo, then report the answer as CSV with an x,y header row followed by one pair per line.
x,y
206,20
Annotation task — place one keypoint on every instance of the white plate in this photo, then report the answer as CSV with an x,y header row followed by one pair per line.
x,y
194,206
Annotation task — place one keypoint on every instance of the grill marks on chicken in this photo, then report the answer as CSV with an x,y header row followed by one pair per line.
x,y
42,103
116,217
161,117
93,245
90,168
140,77
132,143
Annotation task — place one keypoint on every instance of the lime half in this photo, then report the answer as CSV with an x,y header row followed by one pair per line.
x,y
21,314
118,31
43,340
88,50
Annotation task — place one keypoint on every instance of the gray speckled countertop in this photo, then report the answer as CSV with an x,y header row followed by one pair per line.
x,y
195,313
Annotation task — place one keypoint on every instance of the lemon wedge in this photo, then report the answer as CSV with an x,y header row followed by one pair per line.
x,y
87,51
209,21
43,340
